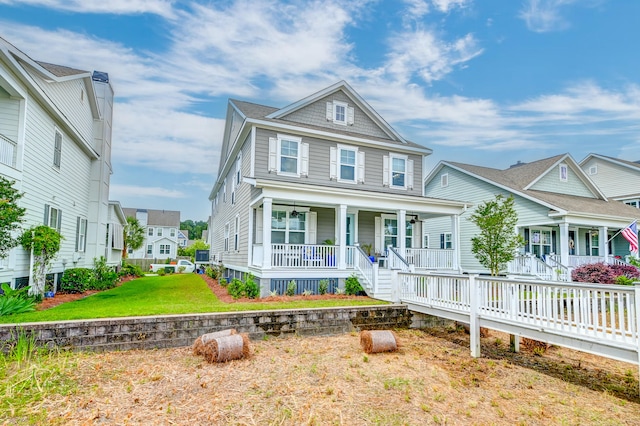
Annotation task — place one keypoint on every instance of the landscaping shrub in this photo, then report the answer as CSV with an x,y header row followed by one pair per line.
x,y
352,286
236,288
129,269
211,272
76,280
602,273
323,286
291,288
105,276
15,301
251,288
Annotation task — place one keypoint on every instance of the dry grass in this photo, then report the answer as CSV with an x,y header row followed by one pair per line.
x,y
431,379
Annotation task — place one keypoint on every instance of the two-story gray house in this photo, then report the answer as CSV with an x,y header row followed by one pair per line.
x,y
302,190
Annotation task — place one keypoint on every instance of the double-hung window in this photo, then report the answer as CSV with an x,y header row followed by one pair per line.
x,y
236,234
53,217
149,249
150,232
226,236
446,241
165,249
288,150
397,171
173,232
287,228
81,234
348,164
159,232
340,112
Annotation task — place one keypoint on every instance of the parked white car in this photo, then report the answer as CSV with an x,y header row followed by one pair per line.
x,y
181,266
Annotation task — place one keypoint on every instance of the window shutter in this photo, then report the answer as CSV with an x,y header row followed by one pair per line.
x,y
59,226
258,226
378,235
46,214
360,166
333,163
385,170
329,111
86,230
410,174
304,166
350,116
273,158
77,232
311,235
442,241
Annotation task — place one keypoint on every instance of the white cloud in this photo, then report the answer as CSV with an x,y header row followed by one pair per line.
x,y
447,5
116,7
134,191
544,15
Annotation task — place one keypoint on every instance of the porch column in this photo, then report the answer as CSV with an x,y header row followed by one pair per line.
x,y
603,247
250,241
342,237
564,244
455,238
402,232
267,205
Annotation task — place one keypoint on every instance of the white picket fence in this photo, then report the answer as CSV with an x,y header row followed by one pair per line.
x,y
599,319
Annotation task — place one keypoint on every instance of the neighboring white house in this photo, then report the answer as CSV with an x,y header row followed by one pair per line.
x,y
183,238
161,233
55,143
618,179
562,215
298,187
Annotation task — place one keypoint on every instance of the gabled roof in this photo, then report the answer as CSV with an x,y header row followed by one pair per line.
x,y
156,217
351,94
183,234
520,178
635,165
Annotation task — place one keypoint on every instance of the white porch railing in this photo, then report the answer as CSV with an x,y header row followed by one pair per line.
x,y
424,258
8,151
600,319
303,256
366,268
531,265
396,261
579,260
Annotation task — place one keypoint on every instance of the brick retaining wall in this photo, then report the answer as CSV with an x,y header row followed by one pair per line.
x,y
181,330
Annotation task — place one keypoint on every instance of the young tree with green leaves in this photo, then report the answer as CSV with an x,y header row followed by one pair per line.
x,y
11,216
133,235
497,241
45,243
191,250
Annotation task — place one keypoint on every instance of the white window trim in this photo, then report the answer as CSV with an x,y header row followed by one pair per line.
x,y
236,234
444,180
159,232
444,241
57,153
355,166
82,237
344,105
593,170
406,170
150,232
150,249
564,173
173,232
226,236
298,140
288,210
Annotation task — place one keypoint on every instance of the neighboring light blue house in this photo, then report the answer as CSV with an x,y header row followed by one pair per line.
x,y
563,216
618,179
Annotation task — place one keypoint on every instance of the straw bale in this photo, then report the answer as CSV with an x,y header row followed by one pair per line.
x,y
226,348
375,341
198,345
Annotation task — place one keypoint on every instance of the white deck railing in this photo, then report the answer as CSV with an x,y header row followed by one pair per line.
x,y
531,265
600,319
366,268
430,258
8,151
303,256
579,260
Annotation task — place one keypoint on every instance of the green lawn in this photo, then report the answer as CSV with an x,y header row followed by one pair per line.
x,y
171,294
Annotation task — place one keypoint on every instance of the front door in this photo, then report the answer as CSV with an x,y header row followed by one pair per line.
x,y
351,220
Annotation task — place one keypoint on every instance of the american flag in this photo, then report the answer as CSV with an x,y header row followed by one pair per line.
x,y
630,233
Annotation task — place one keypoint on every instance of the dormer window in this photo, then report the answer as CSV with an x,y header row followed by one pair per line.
x,y
564,173
340,113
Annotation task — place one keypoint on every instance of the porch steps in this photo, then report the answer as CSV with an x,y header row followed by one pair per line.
x,y
384,291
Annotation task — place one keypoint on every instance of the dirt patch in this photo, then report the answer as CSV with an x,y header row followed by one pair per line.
x,y
431,379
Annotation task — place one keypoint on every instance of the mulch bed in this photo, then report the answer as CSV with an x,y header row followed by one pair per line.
x,y
222,295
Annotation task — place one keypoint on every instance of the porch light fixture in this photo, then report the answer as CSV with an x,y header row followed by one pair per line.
x,y
413,219
294,213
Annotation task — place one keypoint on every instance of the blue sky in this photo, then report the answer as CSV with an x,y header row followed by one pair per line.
x,y
480,82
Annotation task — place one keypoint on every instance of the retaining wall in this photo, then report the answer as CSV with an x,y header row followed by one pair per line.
x,y
181,330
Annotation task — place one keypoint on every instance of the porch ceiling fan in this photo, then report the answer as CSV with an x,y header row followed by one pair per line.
x,y
294,213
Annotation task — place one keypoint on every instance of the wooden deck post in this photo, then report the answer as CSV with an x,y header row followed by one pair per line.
x,y
474,326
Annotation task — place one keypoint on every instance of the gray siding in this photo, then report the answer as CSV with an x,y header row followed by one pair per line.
x,y
612,179
326,224
315,114
572,186
463,187
319,154
366,227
